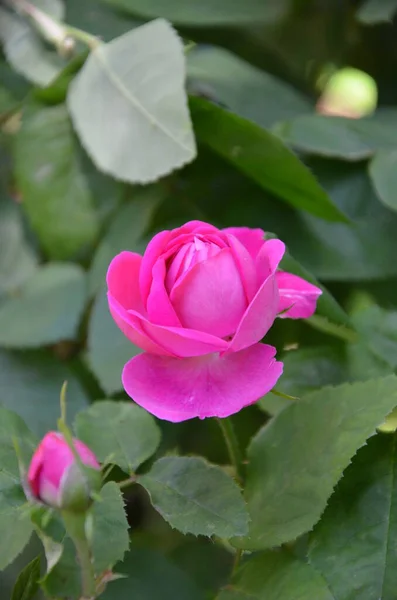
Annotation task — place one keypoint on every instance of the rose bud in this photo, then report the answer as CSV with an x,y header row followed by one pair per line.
x,y
56,478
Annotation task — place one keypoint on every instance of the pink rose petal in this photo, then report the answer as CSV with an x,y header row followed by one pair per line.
x,y
209,386
252,239
158,305
297,295
211,297
123,280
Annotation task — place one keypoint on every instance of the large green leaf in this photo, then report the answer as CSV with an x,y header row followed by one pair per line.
x,y
245,89
25,49
150,576
108,348
383,172
339,137
297,459
261,156
110,529
276,576
30,384
120,430
131,115
15,524
355,544
376,11
125,232
61,189
206,12
18,258
27,583
196,497
47,309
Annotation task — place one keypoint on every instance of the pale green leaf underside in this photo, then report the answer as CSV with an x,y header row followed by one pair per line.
x,y
129,106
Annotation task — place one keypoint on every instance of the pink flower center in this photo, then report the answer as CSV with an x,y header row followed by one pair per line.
x,y
187,257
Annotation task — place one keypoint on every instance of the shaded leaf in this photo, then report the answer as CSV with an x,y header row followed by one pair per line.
x,y
261,156
27,583
110,528
276,576
135,126
246,90
376,11
207,12
47,309
297,459
383,173
108,348
121,430
125,232
15,523
61,189
340,137
98,19
355,544
196,497
343,252
64,579
150,576
30,384
18,259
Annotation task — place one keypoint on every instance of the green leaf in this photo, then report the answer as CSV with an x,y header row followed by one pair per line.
x,y
382,170
339,137
18,259
308,369
61,189
196,497
121,430
125,232
15,523
64,578
110,529
150,576
47,309
337,251
261,156
27,583
241,87
30,384
297,459
378,330
108,348
276,575
150,133
98,19
376,11
24,48
206,12
354,544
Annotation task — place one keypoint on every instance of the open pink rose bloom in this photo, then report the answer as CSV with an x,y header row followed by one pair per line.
x,y
198,303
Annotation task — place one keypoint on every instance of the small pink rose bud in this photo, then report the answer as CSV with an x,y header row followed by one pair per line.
x,y
55,477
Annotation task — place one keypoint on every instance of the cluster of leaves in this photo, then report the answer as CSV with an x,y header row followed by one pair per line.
x,y
91,164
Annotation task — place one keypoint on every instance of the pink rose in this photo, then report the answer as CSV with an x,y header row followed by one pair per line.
x,y
54,478
198,302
